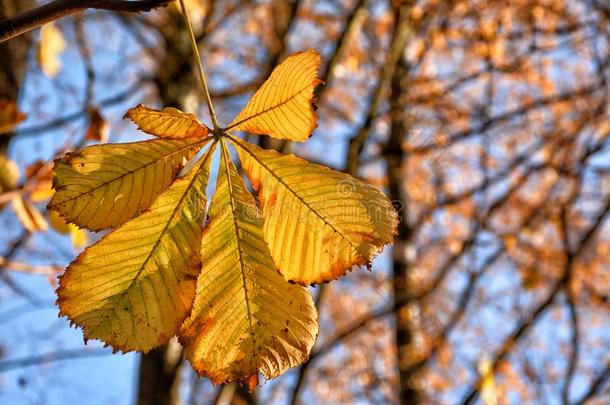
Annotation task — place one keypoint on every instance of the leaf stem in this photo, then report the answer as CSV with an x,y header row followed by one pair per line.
x,y
204,82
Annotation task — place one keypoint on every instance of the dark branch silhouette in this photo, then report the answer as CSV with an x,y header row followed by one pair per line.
x,y
25,22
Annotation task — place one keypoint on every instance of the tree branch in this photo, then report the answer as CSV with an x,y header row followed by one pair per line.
x,y
596,386
11,364
54,10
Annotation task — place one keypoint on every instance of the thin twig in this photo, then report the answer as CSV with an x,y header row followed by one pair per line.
x,y
199,64
12,364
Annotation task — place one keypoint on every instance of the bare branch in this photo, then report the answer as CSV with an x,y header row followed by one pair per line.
x,y
573,360
28,268
54,10
28,361
521,330
596,386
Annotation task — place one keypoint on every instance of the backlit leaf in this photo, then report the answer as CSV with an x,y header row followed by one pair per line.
x,y
167,123
134,288
78,236
318,222
58,223
246,318
282,106
103,186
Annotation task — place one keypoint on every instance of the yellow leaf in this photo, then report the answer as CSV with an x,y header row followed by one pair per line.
x,y
488,383
103,186
52,44
246,318
9,174
318,222
58,223
28,215
167,123
283,106
78,237
42,191
10,116
134,288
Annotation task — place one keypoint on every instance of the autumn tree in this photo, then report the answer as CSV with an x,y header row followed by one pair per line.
x,y
486,124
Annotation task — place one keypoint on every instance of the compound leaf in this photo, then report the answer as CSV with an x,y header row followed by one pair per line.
x,y
318,222
282,106
134,288
246,318
103,186
167,123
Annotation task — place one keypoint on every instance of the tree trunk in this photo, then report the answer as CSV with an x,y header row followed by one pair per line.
x,y
159,369
159,382
404,335
13,60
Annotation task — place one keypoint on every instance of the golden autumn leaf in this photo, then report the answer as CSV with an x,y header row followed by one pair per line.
x,y
103,186
134,288
318,222
78,237
283,106
167,123
58,223
52,44
222,290
246,318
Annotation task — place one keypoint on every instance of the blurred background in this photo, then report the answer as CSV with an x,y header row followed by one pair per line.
x,y
486,122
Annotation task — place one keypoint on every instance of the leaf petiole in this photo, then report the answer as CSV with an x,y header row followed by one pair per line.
x,y
204,82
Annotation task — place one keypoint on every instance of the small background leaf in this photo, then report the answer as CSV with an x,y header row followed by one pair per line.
x,y
52,44
28,215
9,174
10,116
98,127
78,236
